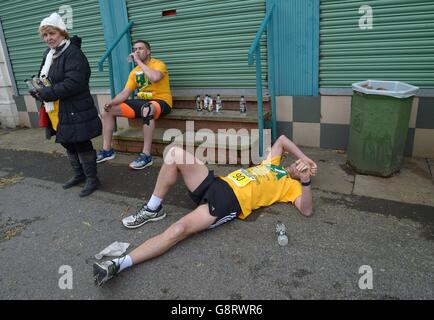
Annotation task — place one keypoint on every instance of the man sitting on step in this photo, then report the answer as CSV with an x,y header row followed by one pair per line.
x,y
151,78
219,199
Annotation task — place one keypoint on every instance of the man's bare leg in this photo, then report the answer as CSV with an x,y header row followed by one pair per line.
x,y
175,160
197,220
148,130
148,133
192,170
108,124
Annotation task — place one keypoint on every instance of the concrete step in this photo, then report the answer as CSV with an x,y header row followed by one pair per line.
x,y
225,148
207,120
182,125
131,140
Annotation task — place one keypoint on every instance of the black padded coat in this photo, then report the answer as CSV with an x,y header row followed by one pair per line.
x,y
69,75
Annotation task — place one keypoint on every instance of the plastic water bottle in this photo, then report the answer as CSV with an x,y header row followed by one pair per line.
x,y
205,102
282,236
218,103
45,81
130,58
37,83
210,104
198,103
243,107
29,84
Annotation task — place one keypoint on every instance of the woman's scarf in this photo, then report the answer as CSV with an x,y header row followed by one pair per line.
x,y
52,54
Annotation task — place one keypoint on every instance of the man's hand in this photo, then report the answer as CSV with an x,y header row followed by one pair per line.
x,y
136,57
299,170
108,106
311,164
302,170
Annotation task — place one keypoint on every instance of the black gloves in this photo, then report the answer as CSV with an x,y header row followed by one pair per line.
x,y
35,94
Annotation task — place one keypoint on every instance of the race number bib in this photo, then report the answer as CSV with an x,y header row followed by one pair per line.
x,y
241,177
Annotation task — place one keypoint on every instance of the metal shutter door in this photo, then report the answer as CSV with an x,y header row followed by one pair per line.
x,y
399,47
206,44
21,20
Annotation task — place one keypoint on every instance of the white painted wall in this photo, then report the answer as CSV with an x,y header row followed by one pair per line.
x,y
8,110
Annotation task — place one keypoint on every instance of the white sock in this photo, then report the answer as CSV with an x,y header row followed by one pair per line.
x,y
123,262
154,203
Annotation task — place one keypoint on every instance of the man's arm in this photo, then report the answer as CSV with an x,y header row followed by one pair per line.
x,y
151,74
304,202
121,97
283,144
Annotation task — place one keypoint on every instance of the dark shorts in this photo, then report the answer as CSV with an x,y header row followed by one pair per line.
x,y
222,202
133,109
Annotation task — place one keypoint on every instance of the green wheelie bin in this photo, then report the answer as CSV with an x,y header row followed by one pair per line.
x,y
380,114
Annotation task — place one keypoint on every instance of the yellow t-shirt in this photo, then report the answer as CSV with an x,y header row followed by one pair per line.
x,y
262,185
160,90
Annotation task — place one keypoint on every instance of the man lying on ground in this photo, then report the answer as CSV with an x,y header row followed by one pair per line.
x,y
218,199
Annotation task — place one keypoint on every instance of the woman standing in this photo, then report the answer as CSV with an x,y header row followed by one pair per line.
x,y
73,116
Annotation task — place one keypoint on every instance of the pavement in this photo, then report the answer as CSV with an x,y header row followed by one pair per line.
x,y
384,225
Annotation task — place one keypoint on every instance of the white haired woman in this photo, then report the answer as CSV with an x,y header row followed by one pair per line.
x,y
73,117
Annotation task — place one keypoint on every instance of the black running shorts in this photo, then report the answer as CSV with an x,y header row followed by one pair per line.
x,y
222,202
133,109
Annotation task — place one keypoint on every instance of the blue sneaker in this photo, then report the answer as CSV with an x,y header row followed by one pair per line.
x,y
141,162
104,155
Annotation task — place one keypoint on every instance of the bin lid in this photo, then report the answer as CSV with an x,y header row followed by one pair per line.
x,y
386,88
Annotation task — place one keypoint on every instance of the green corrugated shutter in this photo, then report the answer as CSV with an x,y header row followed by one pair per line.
x,y
206,44
400,46
21,20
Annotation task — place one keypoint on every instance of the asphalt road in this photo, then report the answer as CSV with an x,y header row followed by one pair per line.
x,y
43,227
